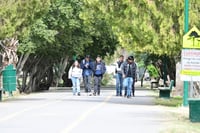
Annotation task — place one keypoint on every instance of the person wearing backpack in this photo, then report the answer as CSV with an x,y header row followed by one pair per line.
x,y
99,70
129,74
75,74
87,67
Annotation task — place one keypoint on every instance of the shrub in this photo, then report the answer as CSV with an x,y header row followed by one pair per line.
x,y
106,79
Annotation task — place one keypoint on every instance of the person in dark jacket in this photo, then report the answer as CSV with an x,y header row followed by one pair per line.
x,y
129,74
87,66
99,70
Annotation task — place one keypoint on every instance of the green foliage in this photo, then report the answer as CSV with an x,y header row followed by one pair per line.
x,y
148,26
102,40
55,29
17,16
153,71
63,17
52,34
106,79
61,30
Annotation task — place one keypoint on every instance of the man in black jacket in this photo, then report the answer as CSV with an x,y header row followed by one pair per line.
x,y
129,74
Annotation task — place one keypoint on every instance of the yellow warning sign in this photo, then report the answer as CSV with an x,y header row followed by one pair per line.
x,y
192,38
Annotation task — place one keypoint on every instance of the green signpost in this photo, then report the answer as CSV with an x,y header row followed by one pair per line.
x,y
186,28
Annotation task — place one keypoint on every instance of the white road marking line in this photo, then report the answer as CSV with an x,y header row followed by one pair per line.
x,y
85,115
8,117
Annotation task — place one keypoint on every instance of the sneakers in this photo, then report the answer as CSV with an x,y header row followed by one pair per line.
x,y
128,96
96,94
78,94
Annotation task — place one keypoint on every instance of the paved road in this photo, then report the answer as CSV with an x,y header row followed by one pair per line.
x,y
60,112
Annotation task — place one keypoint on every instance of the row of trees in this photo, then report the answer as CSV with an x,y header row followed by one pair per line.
x,y
151,27
51,32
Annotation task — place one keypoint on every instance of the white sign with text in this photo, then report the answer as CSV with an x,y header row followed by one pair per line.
x,y
190,61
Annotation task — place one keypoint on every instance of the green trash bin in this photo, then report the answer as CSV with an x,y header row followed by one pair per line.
x,y
9,78
194,109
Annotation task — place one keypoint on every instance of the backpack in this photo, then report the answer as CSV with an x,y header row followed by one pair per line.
x,y
103,68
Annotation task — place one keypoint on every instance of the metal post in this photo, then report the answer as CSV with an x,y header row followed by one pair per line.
x,y
1,95
186,18
186,28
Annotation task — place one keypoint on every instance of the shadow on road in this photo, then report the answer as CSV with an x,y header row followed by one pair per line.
x,y
148,101
142,97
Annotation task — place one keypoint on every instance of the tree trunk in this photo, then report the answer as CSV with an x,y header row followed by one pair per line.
x,y
24,76
62,66
21,63
24,81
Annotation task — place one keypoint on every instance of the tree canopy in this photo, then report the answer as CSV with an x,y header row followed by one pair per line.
x,y
153,26
53,31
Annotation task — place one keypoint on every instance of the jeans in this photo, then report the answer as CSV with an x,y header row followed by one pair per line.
x,y
119,84
97,84
75,85
128,81
87,83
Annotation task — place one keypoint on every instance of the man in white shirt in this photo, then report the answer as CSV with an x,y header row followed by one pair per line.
x,y
119,78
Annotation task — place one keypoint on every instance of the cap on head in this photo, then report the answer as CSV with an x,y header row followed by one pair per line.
x,y
87,56
131,58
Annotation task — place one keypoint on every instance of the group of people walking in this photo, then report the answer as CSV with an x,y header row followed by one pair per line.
x,y
125,75
87,69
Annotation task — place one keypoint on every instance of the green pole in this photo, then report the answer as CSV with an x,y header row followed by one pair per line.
x,y
186,18
186,28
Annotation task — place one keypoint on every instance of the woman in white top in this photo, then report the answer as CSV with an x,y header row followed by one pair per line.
x,y
75,74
